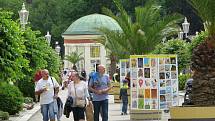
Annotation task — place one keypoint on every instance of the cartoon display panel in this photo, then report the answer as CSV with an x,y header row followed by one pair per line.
x,y
154,81
124,70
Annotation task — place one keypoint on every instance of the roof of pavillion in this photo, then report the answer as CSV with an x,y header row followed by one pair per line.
x,y
88,25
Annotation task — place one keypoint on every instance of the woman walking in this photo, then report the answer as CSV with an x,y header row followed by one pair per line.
x,y
77,89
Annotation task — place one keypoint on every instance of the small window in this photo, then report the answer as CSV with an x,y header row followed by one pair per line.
x,y
94,51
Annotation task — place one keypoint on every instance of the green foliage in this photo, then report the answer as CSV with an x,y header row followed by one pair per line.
x,y
182,80
178,47
11,5
28,100
4,115
197,40
182,7
22,53
145,32
56,15
11,49
40,55
26,87
11,98
205,9
74,57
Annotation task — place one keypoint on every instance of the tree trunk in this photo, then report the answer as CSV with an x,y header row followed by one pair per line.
x,y
112,65
203,65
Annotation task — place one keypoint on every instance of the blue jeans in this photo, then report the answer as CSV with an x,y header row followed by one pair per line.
x,y
47,111
124,106
97,106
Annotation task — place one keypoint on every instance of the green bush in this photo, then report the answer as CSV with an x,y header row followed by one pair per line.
x,y
28,100
11,98
182,80
4,115
26,87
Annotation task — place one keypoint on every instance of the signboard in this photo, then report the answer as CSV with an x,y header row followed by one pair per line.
x,y
154,81
124,70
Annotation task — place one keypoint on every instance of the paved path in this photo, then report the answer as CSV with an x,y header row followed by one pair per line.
x,y
114,112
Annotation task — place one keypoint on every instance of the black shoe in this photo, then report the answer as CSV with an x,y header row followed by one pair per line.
x,y
122,113
125,113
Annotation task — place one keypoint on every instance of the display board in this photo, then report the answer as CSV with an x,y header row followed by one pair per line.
x,y
124,70
154,81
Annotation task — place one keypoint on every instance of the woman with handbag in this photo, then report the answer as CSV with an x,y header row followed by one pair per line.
x,y
78,90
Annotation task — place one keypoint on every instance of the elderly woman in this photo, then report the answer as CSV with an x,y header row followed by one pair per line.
x,y
78,90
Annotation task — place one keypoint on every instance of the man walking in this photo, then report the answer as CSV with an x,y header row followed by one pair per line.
x,y
100,85
47,87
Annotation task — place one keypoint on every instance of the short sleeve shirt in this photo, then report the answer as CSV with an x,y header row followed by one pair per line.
x,y
99,82
47,96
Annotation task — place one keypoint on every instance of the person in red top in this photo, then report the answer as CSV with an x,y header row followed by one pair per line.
x,y
37,77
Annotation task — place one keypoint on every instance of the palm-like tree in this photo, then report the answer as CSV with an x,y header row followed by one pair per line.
x,y
144,32
203,57
139,36
74,58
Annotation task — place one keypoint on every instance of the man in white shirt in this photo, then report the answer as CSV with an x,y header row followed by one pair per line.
x,y
45,88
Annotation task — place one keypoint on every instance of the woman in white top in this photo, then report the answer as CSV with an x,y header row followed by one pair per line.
x,y
79,91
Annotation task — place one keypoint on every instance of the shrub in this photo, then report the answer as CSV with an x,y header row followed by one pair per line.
x,y
28,100
26,87
182,80
11,98
4,115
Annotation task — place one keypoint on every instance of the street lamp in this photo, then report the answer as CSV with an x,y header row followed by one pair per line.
x,y
48,37
23,15
185,26
180,34
57,48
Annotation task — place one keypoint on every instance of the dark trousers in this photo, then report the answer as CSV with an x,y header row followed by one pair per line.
x,y
124,106
97,106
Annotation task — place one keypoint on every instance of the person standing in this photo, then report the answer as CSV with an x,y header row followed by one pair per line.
x,y
124,97
78,90
48,88
100,85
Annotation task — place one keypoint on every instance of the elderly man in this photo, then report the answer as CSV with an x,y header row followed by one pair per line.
x,y
47,87
100,85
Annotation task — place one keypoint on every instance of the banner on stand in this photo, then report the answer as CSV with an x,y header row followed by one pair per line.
x,y
154,81
124,70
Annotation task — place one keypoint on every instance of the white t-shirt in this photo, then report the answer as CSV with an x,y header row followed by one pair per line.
x,y
47,96
80,88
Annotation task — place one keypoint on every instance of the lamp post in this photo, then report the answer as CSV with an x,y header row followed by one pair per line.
x,y
48,37
57,48
185,27
23,15
180,34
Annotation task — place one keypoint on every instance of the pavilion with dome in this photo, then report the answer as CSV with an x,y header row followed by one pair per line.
x,y
81,37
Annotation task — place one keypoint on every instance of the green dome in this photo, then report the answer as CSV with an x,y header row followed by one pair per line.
x,y
89,24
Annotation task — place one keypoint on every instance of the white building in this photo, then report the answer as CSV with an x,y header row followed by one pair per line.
x,y
81,36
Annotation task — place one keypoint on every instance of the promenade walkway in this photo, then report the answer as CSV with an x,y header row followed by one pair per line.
x,y
114,112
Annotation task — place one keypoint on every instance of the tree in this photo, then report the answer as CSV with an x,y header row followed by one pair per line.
x,y
183,7
141,35
203,57
40,55
12,49
55,16
74,57
114,50
176,46
148,29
